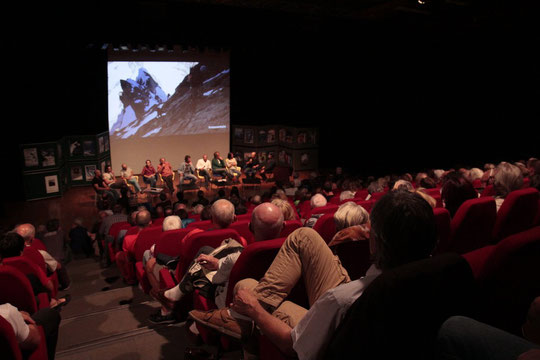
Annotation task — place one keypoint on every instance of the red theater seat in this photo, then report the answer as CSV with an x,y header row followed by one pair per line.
x,y
517,213
509,280
326,227
10,347
28,267
20,293
442,219
471,226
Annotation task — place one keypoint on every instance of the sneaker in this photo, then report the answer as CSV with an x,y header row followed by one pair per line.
x,y
222,321
157,318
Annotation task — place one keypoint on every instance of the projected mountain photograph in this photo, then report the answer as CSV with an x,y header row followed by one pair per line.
x,y
151,99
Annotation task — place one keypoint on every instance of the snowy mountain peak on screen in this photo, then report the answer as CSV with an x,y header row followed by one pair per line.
x,y
199,103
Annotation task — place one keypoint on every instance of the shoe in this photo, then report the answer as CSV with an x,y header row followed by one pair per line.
x,y
157,318
222,321
159,295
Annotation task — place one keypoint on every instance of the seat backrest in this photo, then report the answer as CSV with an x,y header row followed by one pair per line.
x,y
20,293
116,227
133,230
246,216
35,256
510,280
203,224
170,242
157,222
326,227
253,262
399,314
191,245
354,256
9,346
289,226
472,225
242,227
442,220
27,267
377,195
39,244
488,191
366,204
517,213
328,209
361,194
146,238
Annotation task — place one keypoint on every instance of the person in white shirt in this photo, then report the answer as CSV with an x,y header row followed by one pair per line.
x,y
204,166
402,230
25,327
127,174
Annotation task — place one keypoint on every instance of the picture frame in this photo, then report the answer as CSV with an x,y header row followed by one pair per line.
x,y
30,157
89,172
76,173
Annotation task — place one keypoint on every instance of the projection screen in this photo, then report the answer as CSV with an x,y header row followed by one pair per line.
x,y
168,109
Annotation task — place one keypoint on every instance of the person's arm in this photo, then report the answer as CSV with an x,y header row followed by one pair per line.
x,y
33,339
277,331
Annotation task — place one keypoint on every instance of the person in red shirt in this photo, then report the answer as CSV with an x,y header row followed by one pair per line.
x,y
149,174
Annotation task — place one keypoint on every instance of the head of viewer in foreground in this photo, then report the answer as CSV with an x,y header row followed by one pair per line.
x,y
403,230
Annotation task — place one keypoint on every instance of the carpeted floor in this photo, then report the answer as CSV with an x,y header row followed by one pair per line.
x,y
107,319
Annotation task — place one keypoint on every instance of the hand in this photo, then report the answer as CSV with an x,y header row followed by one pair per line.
x,y
208,262
246,303
26,317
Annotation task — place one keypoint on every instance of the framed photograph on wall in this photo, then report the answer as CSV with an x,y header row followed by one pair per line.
x,y
89,171
89,148
248,136
47,157
238,135
271,136
76,173
51,184
75,148
30,157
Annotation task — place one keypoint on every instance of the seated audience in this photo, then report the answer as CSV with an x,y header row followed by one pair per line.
x,y
403,230
12,245
27,232
266,224
352,224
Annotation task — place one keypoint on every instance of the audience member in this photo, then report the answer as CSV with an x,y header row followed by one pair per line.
x,y
79,240
352,224
317,200
346,195
507,178
455,190
266,224
402,230
27,333
125,258
27,232
286,208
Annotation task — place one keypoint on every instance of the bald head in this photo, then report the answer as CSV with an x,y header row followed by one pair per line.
x,y
27,231
223,213
266,222
143,218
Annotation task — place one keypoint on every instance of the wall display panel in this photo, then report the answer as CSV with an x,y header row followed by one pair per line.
x,y
40,156
43,184
168,108
305,159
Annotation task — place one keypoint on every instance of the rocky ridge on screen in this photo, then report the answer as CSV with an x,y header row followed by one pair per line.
x,y
200,104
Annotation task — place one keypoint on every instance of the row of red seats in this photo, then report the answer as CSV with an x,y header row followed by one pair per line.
x,y
17,290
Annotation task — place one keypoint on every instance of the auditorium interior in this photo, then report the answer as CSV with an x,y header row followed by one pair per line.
x,y
394,89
